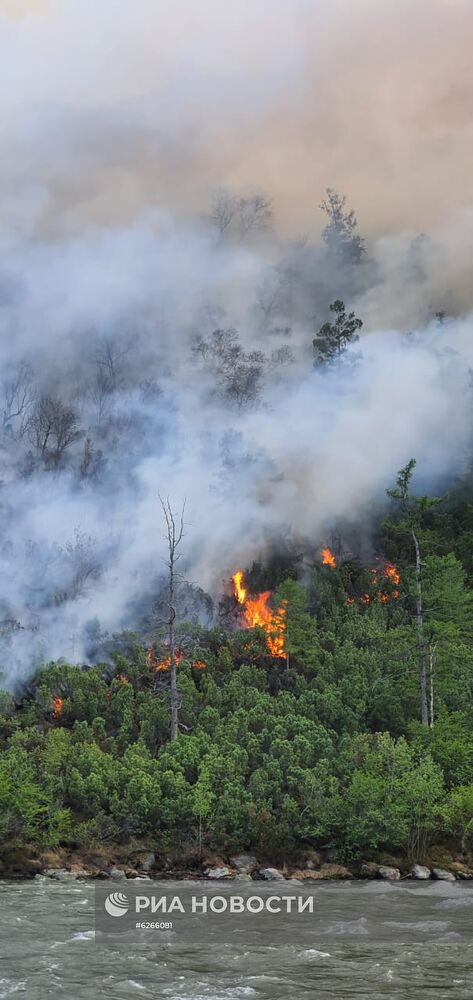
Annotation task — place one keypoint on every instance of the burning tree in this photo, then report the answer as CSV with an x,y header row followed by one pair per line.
x,y
257,613
328,558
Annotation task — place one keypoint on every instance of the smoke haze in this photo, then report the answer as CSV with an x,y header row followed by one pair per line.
x,y
120,124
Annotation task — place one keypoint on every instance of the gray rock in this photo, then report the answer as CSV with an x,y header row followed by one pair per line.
x,y
389,874
222,872
369,870
443,875
270,874
420,872
60,874
309,865
98,861
244,862
243,877
117,875
147,862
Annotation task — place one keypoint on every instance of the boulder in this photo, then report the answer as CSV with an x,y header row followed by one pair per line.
x,y
222,872
369,870
388,873
80,872
420,872
145,862
60,874
461,871
333,871
443,875
270,874
117,875
302,874
325,872
97,860
244,862
243,877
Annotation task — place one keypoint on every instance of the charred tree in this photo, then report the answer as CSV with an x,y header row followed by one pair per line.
x,y
174,534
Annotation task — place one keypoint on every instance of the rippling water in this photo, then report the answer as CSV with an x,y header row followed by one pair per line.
x,y
376,939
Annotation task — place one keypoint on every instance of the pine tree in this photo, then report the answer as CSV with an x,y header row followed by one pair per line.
x,y
340,235
333,339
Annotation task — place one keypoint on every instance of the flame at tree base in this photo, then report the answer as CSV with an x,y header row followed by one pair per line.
x,y
257,613
156,666
57,706
387,572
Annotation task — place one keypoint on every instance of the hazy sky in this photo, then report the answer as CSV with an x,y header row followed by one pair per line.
x,y
111,106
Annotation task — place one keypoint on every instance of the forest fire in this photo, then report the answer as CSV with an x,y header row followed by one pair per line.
x,y
328,558
57,706
257,613
387,572
157,666
391,573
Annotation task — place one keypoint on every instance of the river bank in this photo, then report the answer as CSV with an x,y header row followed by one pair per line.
x,y
121,862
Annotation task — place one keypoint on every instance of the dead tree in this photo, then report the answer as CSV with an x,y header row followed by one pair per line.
x,y
52,427
238,216
17,398
174,533
412,508
239,373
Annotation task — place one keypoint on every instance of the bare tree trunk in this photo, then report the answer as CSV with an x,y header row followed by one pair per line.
x,y
424,712
174,536
431,682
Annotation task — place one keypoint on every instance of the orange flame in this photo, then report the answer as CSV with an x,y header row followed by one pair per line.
x,y
257,613
391,572
388,572
239,589
328,558
158,665
199,665
57,706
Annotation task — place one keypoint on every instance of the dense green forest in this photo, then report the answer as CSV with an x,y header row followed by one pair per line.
x,y
360,736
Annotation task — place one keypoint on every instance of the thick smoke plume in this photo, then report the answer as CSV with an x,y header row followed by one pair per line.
x,y
163,275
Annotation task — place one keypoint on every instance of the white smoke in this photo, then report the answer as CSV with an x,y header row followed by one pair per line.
x,y
118,122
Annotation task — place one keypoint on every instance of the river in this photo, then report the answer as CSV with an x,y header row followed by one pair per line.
x,y
365,939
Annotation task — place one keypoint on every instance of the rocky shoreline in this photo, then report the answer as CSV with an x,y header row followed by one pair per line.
x,y
118,865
